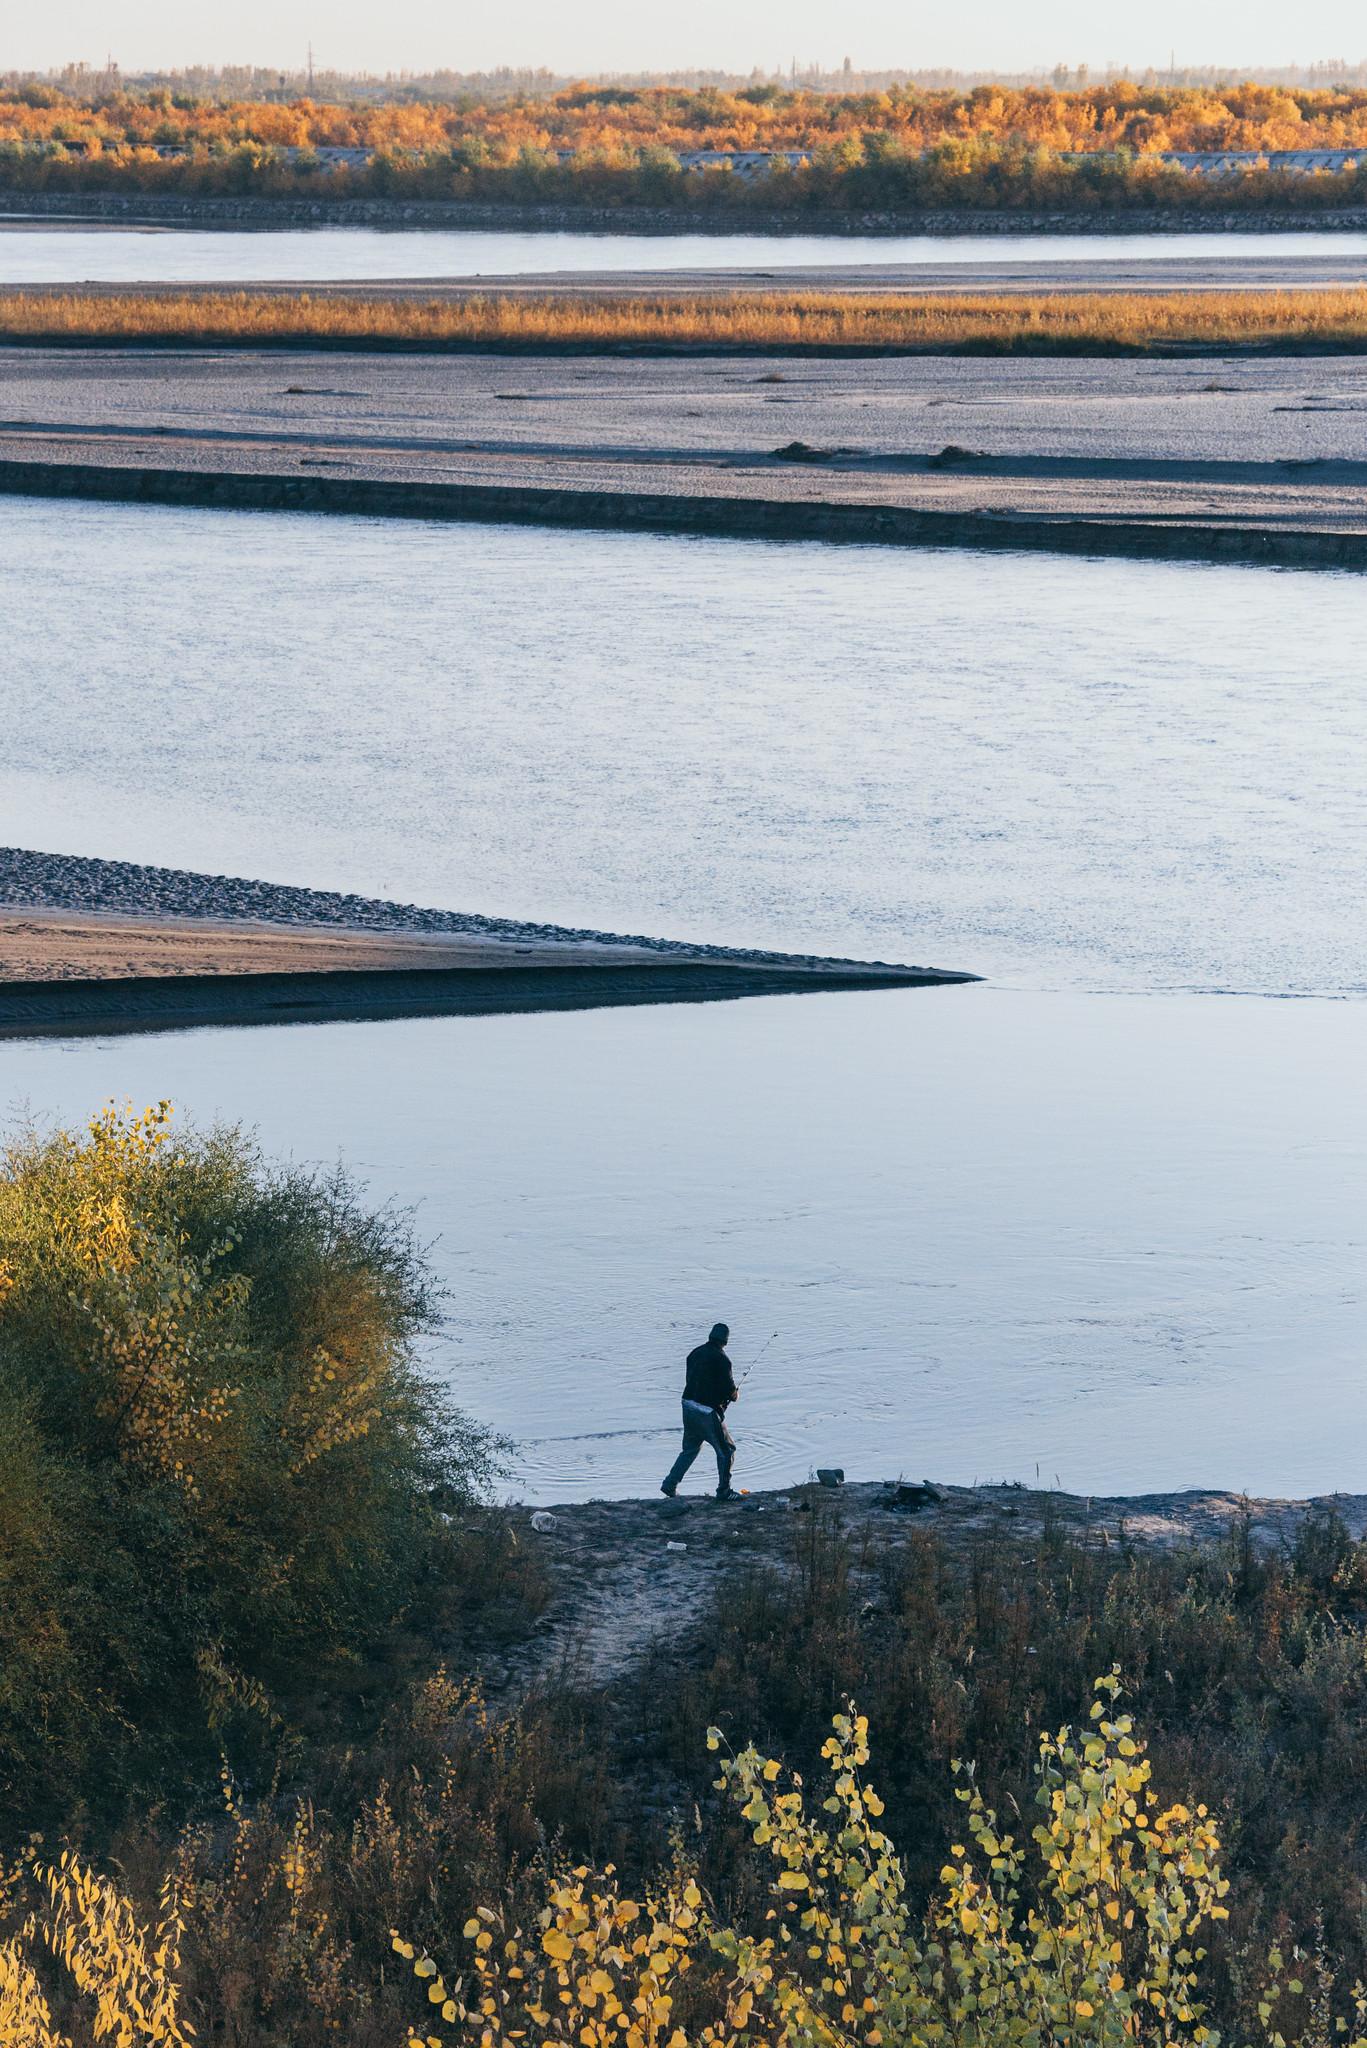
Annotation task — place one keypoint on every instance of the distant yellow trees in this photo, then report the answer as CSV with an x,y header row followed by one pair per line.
x,y
993,147
1118,114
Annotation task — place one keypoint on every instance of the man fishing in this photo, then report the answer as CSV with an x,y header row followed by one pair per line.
x,y
709,1389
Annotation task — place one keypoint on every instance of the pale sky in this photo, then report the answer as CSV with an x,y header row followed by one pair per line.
x,y
610,35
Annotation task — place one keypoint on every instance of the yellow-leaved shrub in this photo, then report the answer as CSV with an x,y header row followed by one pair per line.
x,y
118,1978
217,1455
1089,1935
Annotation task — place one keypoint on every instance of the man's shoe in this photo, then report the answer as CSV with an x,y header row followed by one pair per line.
x,y
729,1494
667,1490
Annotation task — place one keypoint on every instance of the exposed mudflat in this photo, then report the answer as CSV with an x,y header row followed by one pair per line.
x,y
440,412
619,1590
1275,447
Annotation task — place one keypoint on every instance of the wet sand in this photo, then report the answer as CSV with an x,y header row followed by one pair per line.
x,y
45,945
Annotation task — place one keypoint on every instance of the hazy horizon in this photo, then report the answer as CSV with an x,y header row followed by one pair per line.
x,y
415,36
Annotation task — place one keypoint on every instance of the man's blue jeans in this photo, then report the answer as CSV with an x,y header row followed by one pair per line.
x,y
703,1426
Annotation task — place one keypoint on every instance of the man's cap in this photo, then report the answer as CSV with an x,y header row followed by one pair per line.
x,y
718,1334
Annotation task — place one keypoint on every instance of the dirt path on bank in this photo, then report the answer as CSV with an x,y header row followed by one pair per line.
x,y
619,1590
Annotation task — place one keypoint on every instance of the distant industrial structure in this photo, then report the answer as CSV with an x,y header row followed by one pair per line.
x,y
744,163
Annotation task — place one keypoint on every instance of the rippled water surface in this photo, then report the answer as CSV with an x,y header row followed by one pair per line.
x,y
34,253
1089,1220
1052,772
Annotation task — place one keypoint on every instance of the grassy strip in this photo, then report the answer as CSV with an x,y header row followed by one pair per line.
x,y
989,324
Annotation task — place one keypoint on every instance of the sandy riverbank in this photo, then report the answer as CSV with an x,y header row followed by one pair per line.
x,y
101,946
45,945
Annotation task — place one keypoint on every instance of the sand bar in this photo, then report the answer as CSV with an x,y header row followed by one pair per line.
x,y
101,946
1109,272
1219,459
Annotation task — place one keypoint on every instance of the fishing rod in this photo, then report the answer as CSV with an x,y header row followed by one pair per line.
x,y
756,1359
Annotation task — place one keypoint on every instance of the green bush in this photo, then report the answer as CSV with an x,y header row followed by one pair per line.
x,y
218,1457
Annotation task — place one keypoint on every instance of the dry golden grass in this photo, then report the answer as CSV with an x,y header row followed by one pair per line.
x,y
1004,323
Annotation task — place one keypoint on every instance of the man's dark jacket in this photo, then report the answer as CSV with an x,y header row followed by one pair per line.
x,y
709,1379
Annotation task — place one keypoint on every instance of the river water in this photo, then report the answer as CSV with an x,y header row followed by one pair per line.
x,y
37,252
1100,1218
1118,1241
1057,773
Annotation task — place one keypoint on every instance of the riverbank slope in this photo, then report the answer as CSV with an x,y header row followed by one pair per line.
x,y
456,215
631,1578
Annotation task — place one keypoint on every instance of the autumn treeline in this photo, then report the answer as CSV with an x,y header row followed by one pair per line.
x,y
1113,116
859,176
904,149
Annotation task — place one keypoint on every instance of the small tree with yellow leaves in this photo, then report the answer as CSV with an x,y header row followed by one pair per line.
x,y
599,1970
119,1977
